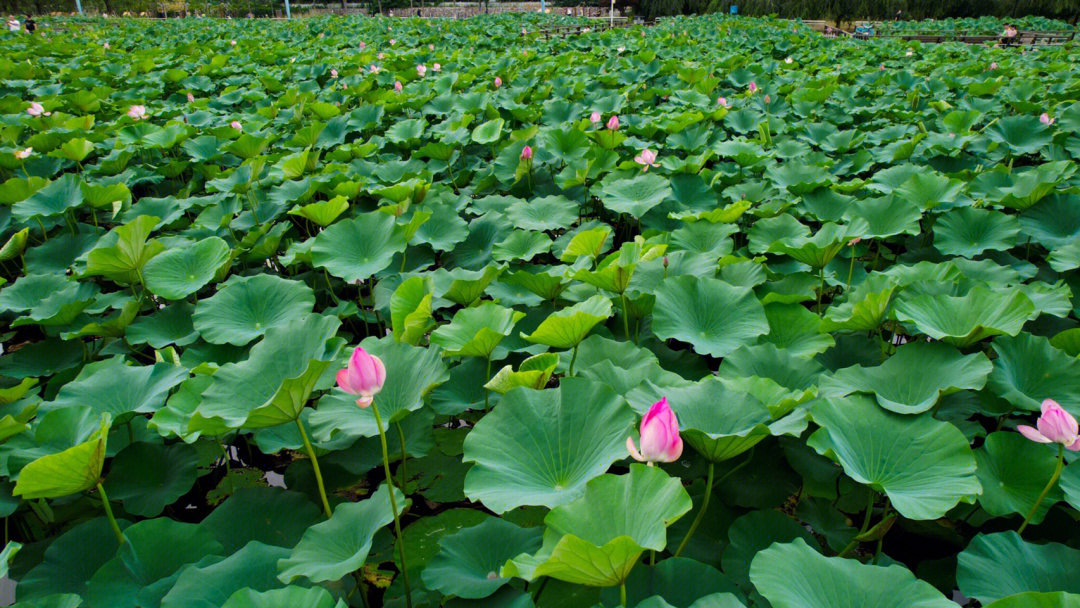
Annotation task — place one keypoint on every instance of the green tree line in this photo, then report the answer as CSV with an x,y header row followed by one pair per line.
x,y
843,10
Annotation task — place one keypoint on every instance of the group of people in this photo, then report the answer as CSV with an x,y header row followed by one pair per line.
x,y
15,27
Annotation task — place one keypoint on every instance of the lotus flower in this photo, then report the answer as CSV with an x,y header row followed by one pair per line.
x,y
397,86
909,54
722,101
380,56
232,43
526,153
767,98
595,117
137,112
993,65
436,67
431,47
393,42
523,32
753,87
613,123
374,69
35,109
660,441
105,45
333,73
421,70
363,45
1055,425
24,153
236,125
788,60
620,49
646,159
364,376
498,82
1045,119
190,98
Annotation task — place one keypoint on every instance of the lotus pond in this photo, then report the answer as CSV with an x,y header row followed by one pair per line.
x,y
825,287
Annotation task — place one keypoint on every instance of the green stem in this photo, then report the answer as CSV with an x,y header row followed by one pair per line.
x,y
821,290
108,513
315,466
540,589
1046,490
573,358
865,526
404,476
850,270
487,378
701,512
622,594
625,316
393,504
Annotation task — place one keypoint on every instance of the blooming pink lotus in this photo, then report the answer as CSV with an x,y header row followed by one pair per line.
x,y
421,70
374,69
397,86
24,153
190,98
660,441
436,67
363,45
753,87
498,82
236,125
722,101
333,73
646,159
595,117
613,123
364,376
431,47
137,112
380,56
993,65
1055,425
35,109
1045,119
526,153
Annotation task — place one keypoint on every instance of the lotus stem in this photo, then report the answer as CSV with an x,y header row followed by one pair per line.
x,y
108,513
1046,490
315,466
622,594
865,526
487,378
701,512
625,316
393,504
404,476
573,358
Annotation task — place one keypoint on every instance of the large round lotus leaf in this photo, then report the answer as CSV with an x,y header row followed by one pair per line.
x,y
469,560
246,307
912,380
794,575
1032,599
1028,369
71,559
357,248
567,327
677,581
145,566
288,597
147,477
111,386
411,374
994,566
964,320
209,582
181,271
1020,134
924,466
794,328
713,600
864,308
597,539
885,216
1013,471
542,447
712,315
634,196
968,231
70,471
269,515
339,545
273,384
774,376
1054,222
815,251
754,532
170,325
476,331
545,213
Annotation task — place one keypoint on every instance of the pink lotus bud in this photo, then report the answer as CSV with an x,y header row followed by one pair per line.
x,y
767,98
753,87
722,101
24,153
613,123
364,376
436,67
526,153
666,261
397,86
105,45
363,45
236,125
190,98
137,112
35,109
1055,426
431,47
646,159
374,69
333,73
421,70
1045,119
882,67
523,32
660,441
993,65
498,82
595,117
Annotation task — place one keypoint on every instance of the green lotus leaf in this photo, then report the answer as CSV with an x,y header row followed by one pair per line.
x,y
1032,599
923,465
522,245
567,327
533,372
288,597
331,549
754,532
147,477
357,248
268,515
965,320
463,286
713,600
53,199
686,309
597,539
209,582
634,196
1013,472
818,250
542,447
774,376
588,243
794,575
468,558
681,581
865,308
70,561
928,190
245,308
169,325
410,310
71,471
476,331
111,386
968,231
179,272
545,213
794,328
123,254
915,377
884,216
1020,134
488,132
799,178
1028,369
995,566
